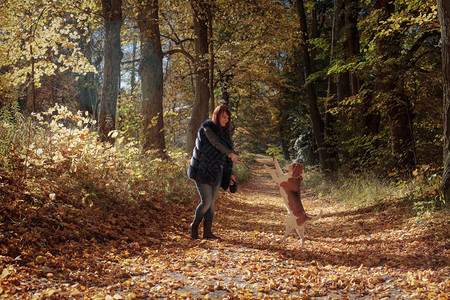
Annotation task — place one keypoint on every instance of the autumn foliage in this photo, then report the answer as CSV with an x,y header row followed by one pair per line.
x,y
82,220
353,87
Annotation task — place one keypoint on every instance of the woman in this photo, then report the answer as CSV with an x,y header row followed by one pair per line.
x,y
211,167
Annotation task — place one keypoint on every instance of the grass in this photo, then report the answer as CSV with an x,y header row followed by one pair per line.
x,y
421,191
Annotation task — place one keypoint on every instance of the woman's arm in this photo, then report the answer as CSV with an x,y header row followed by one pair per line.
x,y
214,140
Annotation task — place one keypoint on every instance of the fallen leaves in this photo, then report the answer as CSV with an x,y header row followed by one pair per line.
x,y
67,253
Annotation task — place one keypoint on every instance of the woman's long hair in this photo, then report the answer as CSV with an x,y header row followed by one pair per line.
x,y
216,114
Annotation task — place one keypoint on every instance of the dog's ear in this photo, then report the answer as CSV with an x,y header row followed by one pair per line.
x,y
297,170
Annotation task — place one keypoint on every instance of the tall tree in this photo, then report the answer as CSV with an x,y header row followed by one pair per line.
x,y
201,101
212,104
151,73
351,43
339,31
112,15
444,18
87,84
398,106
368,122
317,123
133,65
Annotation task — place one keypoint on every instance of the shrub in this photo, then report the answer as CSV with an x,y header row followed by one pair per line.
x,y
56,157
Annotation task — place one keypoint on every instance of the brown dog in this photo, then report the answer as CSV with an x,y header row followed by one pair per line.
x,y
289,184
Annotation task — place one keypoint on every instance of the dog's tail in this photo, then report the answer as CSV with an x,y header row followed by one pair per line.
x,y
315,218
304,218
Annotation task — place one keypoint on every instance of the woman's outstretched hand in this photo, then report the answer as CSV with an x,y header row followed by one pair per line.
x,y
234,157
232,179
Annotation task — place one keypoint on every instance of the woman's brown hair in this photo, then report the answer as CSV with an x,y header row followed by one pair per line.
x,y
216,114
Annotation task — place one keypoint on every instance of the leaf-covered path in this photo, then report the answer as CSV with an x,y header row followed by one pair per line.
x,y
372,253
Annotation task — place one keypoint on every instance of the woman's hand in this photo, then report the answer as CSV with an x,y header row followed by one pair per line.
x,y
234,157
232,179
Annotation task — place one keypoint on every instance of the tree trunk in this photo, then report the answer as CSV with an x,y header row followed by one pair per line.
x,y
133,67
32,86
352,39
339,84
317,123
151,73
201,101
86,85
212,104
397,105
314,29
112,14
368,122
86,96
225,90
444,18
343,79
52,91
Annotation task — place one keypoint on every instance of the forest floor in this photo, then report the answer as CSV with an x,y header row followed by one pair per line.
x,y
378,252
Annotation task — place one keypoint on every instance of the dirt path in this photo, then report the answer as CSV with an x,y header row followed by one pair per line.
x,y
373,253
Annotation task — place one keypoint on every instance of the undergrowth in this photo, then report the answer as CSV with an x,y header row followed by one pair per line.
x,y
55,157
420,192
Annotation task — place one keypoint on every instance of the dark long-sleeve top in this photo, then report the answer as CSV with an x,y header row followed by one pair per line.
x,y
214,140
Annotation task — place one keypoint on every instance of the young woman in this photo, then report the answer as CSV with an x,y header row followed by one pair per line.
x,y
211,167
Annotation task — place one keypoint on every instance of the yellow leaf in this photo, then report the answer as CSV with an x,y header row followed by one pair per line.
x,y
75,292
131,296
50,292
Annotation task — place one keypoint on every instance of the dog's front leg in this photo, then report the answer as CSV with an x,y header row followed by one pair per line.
x,y
272,173
277,166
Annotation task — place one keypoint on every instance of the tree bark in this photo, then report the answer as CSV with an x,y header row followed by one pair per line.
x,y
212,104
32,86
112,14
86,85
133,67
444,18
352,39
201,65
368,122
397,105
338,84
151,73
343,79
225,90
317,123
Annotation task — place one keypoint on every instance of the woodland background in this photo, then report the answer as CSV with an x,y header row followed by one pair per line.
x,y
100,103
344,84
352,87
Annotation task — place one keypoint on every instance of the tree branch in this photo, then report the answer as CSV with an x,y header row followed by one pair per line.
x,y
408,57
182,51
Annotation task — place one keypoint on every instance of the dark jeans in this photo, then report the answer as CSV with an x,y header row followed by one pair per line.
x,y
208,193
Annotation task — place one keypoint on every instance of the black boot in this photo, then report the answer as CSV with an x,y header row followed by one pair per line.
x,y
194,229
207,233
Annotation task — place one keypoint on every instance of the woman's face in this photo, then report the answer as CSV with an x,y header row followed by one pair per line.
x,y
223,119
